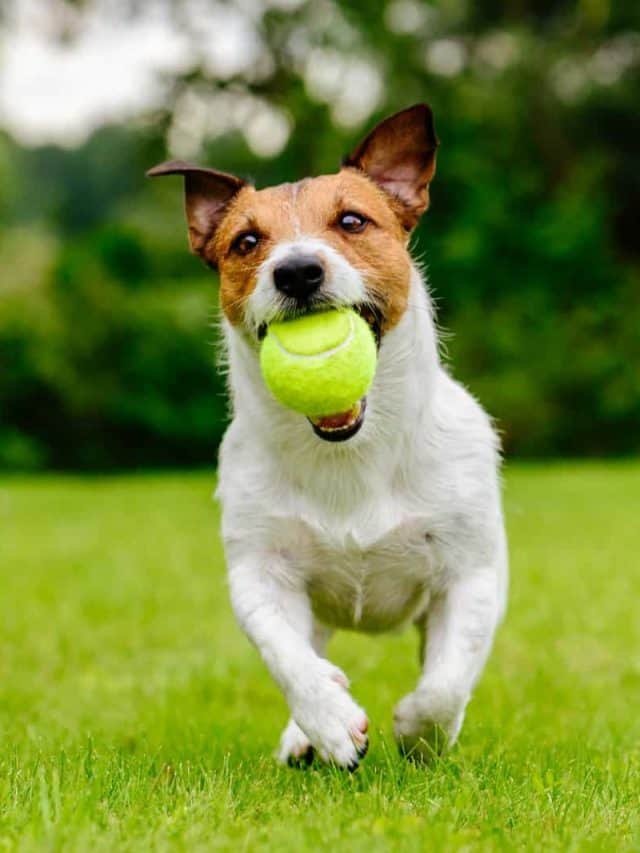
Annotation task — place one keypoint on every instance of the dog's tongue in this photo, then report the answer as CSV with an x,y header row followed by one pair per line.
x,y
342,419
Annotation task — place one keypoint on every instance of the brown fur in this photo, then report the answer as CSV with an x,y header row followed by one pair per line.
x,y
313,207
400,156
386,179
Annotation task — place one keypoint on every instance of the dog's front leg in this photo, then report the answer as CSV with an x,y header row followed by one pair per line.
x,y
276,616
459,629
295,748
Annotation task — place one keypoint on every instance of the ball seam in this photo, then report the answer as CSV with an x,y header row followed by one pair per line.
x,y
322,354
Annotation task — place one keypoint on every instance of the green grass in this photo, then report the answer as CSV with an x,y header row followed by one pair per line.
x,y
135,716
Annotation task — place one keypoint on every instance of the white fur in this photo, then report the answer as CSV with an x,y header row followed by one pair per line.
x,y
400,523
344,285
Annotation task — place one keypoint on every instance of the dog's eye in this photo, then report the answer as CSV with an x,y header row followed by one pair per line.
x,y
352,222
245,242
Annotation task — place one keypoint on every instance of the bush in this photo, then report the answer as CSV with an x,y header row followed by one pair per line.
x,y
105,375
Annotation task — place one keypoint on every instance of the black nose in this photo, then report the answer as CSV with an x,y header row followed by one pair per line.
x,y
299,277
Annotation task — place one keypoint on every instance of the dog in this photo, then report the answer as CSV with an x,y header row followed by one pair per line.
x,y
372,519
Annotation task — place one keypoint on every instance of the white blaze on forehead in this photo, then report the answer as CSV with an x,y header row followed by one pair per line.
x,y
343,284
295,219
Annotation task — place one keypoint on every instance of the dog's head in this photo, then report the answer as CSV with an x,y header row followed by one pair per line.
x,y
330,240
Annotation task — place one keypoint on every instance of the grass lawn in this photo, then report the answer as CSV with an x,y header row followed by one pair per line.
x,y
135,716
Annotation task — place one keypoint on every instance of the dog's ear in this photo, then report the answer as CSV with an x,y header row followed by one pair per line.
x,y
400,156
207,194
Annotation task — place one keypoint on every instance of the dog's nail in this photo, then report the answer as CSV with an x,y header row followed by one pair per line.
x,y
305,759
362,750
353,766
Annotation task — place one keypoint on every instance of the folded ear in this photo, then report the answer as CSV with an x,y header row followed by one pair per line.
x,y
400,156
207,194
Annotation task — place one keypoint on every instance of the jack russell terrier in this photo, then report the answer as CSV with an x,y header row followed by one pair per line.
x,y
388,515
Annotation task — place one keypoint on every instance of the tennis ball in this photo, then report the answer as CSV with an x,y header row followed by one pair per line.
x,y
319,364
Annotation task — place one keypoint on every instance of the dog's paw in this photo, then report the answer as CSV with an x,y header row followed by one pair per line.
x,y
334,724
427,722
295,747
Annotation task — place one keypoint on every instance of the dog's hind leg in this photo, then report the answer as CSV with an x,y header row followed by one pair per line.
x,y
421,627
295,748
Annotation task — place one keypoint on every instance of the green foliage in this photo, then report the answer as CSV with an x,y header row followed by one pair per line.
x,y
106,372
135,716
531,241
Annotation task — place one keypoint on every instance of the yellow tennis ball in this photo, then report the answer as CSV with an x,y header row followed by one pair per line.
x,y
319,364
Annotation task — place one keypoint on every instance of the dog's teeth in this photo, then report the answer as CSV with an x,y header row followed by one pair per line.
x,y
339,421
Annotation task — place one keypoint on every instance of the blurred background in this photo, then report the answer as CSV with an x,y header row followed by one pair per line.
x,y
108,325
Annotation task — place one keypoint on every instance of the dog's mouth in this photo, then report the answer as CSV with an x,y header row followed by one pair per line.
x,y
371,315
373,318
342,425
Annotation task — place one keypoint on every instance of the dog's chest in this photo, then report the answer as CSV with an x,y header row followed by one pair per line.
x,y
373,577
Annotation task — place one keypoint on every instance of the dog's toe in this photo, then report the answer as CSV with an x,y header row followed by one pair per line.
x,y
301,762
295,747
425,747
363,749
426,724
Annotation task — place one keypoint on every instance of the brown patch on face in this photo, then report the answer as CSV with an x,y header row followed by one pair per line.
x,y
386,179
269,214
313,208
